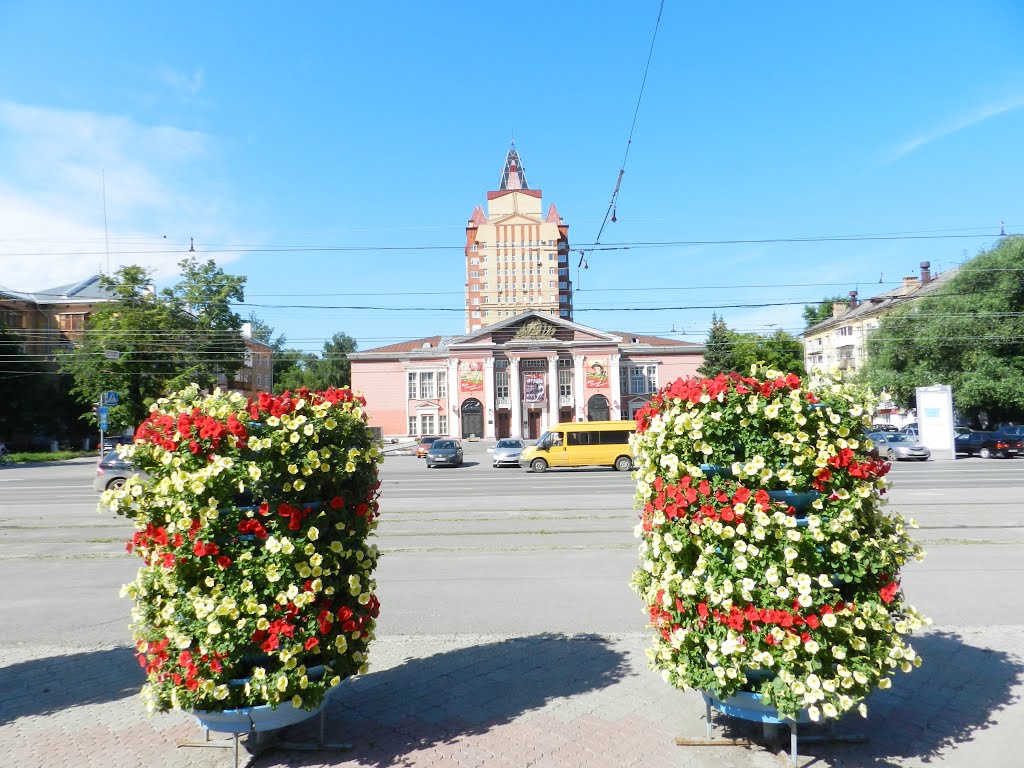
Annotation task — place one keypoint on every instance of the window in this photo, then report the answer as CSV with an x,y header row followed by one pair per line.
x,y
426,385
501,383
442,382
638,379
414,391
563,286
846,330
475,313
564,380
412,425
442,424
427,424
71,322
474,260
474,273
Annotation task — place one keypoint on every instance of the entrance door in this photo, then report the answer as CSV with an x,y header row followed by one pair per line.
x,y
533,424
597,408
503,424
472,418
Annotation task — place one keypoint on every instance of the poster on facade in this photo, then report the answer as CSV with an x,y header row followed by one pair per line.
x,y
533,387
597,373
471,377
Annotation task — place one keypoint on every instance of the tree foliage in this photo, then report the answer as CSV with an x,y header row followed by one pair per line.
x,y
143,344
969,334
729,350
294,368
816,313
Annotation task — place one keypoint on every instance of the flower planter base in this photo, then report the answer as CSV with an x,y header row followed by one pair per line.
x,y
748,706
262,720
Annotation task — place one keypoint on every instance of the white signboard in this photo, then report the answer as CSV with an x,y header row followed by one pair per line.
x,y
935,420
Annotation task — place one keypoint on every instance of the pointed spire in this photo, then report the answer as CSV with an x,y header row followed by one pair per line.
x,y
513,176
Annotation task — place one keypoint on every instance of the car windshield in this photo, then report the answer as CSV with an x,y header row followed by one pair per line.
x,y
899,439
509,444
444,443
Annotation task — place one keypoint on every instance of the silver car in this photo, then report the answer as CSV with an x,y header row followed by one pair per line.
x,y
507,452
896,445
112,471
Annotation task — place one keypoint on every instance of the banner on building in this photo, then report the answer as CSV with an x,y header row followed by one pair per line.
x,y
533,388
597,373
471,377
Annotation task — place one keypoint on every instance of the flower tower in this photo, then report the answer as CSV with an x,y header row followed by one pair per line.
x,y
768,564
256,587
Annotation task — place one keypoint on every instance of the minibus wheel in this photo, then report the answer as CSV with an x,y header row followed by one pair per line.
x,y
538,465
624,464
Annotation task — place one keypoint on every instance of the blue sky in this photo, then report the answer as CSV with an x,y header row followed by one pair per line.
x,y
332,153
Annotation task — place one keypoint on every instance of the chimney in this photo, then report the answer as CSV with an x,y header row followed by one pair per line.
x,y
926,272
838,308
853,299
910,284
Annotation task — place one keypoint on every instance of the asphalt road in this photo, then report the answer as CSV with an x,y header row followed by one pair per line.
x,y
476,549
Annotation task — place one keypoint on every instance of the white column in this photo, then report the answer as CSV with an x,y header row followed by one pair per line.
x,y
579,391
613,374
489,417
515,397
552,391
452,405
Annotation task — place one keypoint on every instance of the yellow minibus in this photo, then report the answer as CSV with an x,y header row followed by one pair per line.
x,y
582,444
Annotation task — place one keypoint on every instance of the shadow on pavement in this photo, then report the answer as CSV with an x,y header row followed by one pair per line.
x,y
47,685
957,691
437,699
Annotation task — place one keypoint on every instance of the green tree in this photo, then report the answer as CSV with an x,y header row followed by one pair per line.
x,y
143,344
719,354
969,334
305,369
729,350
816,313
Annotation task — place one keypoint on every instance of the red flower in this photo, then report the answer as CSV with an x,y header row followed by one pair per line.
x,y
223,561
337,502
311,643
888,592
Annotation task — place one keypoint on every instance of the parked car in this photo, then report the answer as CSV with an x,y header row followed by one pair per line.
x,y
884,428
1013,431
987,444
896,446
507,452
424,445
444,452
910,430
112,471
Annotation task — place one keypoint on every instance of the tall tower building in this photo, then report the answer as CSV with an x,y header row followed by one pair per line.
x,y
517,259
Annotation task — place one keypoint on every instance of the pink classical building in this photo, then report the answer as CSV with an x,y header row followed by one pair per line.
x,y
515,378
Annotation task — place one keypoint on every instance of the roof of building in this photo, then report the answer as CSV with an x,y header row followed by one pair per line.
x,y
513,175
882,302
84,291
439,345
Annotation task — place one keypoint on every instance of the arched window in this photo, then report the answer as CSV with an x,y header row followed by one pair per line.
x,y
597,408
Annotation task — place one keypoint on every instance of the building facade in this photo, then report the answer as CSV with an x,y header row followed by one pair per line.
x,y
517,258
515,378
841,341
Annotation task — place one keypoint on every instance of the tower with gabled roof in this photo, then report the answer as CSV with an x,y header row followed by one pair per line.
x,y
517,258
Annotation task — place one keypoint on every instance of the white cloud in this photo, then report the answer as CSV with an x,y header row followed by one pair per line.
x,y
966,120
187,84
57,163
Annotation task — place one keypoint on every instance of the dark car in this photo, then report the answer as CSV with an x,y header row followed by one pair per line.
x,y
884,428
424,445
896,445
987,444
1013,431
112,472
444,452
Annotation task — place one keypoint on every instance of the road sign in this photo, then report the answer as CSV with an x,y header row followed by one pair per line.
x,y
111,354
103,412
109,398
103,422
